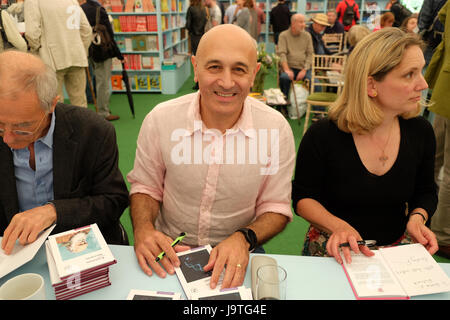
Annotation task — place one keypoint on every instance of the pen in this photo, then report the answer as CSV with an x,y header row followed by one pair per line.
x,y
369,243
174,243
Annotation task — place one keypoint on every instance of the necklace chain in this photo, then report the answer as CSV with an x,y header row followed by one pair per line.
x,y
383,158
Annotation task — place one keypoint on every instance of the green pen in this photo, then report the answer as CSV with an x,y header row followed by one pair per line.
x,y
174,243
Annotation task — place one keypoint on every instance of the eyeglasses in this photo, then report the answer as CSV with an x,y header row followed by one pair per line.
x,y
24,133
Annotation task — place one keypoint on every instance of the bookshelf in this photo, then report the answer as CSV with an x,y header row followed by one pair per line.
x,y
153,41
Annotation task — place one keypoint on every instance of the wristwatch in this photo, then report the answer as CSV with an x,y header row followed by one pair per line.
x,y
250,236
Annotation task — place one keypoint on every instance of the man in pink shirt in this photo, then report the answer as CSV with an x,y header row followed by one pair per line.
x,y
215,164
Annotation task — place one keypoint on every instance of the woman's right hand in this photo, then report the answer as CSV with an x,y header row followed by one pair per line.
x,y
345,233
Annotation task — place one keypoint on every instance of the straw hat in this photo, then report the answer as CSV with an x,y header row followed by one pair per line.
x,y
321,18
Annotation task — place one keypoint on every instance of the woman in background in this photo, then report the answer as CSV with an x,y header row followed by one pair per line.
x,y
367,172
410,24
386,20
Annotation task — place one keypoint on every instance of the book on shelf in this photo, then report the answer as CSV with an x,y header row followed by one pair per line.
x,y
397,272
78,261
116,5
116,82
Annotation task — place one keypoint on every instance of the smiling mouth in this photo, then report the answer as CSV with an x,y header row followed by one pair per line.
x,y
224,95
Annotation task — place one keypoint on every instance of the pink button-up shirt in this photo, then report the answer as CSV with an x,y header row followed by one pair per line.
x,y
209,183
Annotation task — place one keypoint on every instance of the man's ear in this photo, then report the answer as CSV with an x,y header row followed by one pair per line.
x,y
258,66
54,103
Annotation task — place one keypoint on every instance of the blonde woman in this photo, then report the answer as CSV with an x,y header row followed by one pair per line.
x,y
367,171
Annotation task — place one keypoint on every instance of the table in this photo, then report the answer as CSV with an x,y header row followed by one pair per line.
x,y
309,278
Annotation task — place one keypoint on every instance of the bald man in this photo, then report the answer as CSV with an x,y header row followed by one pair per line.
x,y
215,164
58,163
295,49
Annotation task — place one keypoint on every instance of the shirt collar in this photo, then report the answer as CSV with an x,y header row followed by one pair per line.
x,y
243,124
48,138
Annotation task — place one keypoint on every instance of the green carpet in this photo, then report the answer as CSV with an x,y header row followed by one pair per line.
x,y
290,241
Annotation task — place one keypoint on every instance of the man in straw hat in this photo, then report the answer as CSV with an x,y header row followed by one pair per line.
x,y
316,29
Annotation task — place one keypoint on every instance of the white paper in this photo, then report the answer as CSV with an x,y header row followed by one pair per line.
x,y
239,293
416,269
21,254
152,295
371,277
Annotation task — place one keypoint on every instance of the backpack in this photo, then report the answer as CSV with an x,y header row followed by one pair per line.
x,y
6,43
349,14
102,46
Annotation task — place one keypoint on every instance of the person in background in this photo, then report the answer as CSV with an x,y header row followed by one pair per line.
x,y
195,24
341,13
213,14
280,19
16,9
234,205
316,28
295,49
410,24
355,35
430,27
59,163
61,34
335,26
367,172
13,35
386,20
229,13
437,76
102,69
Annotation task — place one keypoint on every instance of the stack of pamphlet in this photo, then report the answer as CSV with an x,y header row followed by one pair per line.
x,y
195,281
78,261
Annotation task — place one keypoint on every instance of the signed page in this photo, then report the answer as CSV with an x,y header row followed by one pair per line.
x,y
416,269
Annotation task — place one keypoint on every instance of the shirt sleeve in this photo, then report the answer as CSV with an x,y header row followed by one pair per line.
x,y
282,48
147,175
275,192
425,193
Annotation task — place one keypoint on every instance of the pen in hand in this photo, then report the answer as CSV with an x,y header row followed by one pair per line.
x,y
174,243
369,243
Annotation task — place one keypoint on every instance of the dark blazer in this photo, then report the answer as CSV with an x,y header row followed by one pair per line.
x,y
88,186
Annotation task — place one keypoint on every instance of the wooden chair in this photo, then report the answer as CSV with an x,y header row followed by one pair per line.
x,y
326,74
333,41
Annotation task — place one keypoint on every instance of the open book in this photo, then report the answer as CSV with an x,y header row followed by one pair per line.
x,y
396,273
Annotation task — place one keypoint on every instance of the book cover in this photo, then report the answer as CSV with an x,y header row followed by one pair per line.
x,y
79,250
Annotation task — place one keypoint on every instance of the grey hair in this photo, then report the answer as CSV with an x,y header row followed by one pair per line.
x,y
30,76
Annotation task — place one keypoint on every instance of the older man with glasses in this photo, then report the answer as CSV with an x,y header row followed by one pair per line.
x,y
58,163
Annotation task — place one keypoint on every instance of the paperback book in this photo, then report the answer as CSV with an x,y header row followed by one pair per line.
x,y
78,261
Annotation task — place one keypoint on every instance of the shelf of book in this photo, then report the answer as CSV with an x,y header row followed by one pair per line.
x,y
149,33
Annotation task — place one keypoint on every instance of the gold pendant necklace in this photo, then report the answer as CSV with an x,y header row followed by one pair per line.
x,y
383,158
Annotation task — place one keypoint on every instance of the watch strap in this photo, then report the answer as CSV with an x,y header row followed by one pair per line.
x,y
250,236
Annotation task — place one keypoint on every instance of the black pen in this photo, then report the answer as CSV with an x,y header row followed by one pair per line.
x,y
369,243
174,243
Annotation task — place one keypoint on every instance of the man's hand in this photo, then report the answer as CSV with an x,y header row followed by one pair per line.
x,y
290,74
301,75
148,244
27,225
231,254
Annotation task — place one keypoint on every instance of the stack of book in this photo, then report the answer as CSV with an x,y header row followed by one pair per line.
x,y
78,261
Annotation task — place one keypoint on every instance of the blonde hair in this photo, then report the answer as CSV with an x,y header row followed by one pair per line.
x,y
374,56
356,33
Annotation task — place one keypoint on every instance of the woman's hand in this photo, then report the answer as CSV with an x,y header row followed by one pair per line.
x,y
421,233
345,233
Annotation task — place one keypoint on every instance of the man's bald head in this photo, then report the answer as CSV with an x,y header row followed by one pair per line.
x,y
22,72
229,34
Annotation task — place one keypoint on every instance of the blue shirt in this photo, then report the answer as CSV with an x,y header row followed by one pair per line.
x,y
35,187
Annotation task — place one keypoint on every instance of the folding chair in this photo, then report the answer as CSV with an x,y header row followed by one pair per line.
x,y
333,41
326,73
